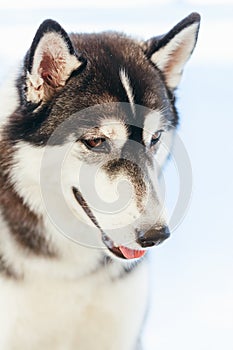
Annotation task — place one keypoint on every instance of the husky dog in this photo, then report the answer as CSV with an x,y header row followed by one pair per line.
x,y
87,116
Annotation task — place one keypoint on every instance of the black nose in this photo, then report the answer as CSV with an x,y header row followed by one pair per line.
x,y
153,237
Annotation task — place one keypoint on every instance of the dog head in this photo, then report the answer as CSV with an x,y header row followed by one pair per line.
x,y
106,103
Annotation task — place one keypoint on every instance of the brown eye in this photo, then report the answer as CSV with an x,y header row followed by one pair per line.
x,y
98,144
94,142
155,138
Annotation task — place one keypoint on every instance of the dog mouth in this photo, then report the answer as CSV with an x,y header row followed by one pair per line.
x,y
122,251
119,251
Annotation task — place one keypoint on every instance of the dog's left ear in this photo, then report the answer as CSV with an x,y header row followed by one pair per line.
x,y
49,62
171,51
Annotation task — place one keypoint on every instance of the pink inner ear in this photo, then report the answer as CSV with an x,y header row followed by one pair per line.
x,y
51,70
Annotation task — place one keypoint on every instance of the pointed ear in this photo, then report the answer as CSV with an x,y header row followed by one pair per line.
x,y
49,62
171,51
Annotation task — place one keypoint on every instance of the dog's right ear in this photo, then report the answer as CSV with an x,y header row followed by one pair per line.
x,y
49,62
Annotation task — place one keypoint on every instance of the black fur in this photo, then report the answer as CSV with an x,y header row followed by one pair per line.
x,y
97,82
158,42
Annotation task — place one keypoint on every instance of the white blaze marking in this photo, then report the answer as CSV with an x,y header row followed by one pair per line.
x,y
115,130
128,88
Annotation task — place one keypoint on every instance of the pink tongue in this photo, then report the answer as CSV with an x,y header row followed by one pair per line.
x,y
130,253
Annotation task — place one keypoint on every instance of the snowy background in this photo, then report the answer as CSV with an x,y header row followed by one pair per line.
x,y
192,273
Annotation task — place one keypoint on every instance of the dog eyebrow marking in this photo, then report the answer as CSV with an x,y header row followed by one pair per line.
x,y
128,88
153,122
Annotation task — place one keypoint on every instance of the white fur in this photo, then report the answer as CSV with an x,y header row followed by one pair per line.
x,y
128,88
62,301
172,57
53,45
154,122
165,147
26,174
63,322
53,313
114,129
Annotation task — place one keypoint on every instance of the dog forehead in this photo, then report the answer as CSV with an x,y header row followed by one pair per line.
x,y
114,128
118,70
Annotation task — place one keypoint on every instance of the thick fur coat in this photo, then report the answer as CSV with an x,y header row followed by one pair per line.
x,y
86,125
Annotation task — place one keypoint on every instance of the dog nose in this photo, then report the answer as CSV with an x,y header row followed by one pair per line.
x,y
153,237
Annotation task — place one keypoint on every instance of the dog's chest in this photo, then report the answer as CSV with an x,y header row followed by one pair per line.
x,y
62,315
